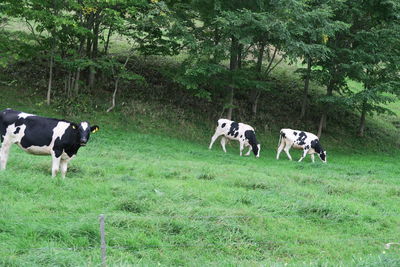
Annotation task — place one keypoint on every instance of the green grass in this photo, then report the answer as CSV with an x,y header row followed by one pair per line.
x,y
173,202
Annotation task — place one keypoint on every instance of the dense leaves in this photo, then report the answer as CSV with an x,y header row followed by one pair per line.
x,y
228,48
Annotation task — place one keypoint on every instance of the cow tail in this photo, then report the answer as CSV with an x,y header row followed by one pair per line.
x,y
280,139
2,131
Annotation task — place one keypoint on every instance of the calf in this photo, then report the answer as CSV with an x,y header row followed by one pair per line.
x,y
308,142
42,136
236,131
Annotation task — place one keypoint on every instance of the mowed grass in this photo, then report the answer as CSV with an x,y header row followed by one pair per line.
x,y
171,202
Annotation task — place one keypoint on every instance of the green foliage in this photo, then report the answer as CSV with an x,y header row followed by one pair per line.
x,y
228,47
74,105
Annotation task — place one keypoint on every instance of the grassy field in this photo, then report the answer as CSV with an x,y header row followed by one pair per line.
x,y
169,201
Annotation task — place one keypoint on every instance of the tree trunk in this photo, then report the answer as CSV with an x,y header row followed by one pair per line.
x,y
256,93
217,38
239,56
361,127
306,86
255,103
233,65
116,86
322,122
230,102
107,40
50,77
95,47
76,85
69,84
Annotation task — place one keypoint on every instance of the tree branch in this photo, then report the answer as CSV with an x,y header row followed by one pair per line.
x,y
116,85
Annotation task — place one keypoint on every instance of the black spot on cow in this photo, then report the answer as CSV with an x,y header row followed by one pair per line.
x,y
37,131
319,149
241,136
223,125
17,130
70,141
234,128
306,147
251,136
315,144
283,134
302,138
295,133
236,134
322,156
2,132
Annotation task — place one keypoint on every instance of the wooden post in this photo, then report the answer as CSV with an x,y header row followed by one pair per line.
x,y
103,241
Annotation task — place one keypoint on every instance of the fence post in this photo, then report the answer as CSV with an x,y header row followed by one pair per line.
x,y
103,241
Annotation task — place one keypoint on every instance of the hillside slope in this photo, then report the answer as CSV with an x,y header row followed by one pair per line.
x,y
163,107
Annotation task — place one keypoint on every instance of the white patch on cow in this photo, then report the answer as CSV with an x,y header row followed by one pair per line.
x,y
24,115
59,130
239,135
10,138
84,125
37,150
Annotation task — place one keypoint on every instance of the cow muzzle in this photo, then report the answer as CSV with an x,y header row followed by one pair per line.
x,y
83,142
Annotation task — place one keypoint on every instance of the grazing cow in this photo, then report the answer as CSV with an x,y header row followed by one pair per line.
x,y
42,136
306,141
236,131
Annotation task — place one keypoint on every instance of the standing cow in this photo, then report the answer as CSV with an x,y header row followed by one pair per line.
x,y
42,136
236,131
308,142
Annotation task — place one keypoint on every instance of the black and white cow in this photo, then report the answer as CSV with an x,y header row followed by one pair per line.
x,y
42,136
306,141
241,132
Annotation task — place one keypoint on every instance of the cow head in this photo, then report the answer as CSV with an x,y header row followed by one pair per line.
x,y
84,131
322,156
251,137
316,145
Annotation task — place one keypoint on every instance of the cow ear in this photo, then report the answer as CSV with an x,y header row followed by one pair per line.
x,y
94,129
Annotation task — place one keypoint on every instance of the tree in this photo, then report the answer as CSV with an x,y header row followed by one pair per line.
x,y
333,69
231,39
376,67
311,28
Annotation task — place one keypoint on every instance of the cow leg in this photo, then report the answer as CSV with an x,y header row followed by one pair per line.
x,y
287,148
241,148
305,151
55,164
223,142
213,138
4,151
63,167
312,158
248,152
280,148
